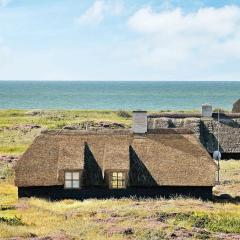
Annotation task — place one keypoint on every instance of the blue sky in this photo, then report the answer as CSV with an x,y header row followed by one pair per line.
x,y
120,40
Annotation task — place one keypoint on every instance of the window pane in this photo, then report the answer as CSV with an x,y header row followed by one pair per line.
x,y
114,178
120,174
120,184
75,175
75,184
68,175
114,184
68,184
120,178
114,174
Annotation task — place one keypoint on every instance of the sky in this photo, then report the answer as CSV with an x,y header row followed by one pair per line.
x,y
151,40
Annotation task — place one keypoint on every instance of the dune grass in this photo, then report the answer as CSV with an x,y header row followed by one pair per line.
x,y
118,219
121,219
16,137
230,178
52,118
141,219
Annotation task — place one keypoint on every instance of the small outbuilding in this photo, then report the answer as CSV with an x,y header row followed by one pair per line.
x,y
115,163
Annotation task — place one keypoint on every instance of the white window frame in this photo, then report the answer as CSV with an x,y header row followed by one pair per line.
x,y
71,178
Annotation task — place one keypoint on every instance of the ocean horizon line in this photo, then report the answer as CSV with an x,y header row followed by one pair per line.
x,y
116,95
70,80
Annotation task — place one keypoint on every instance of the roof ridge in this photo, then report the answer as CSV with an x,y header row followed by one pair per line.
x,y
117,131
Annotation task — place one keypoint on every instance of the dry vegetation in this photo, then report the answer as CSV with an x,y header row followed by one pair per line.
x,y
142,219
126,218
19,127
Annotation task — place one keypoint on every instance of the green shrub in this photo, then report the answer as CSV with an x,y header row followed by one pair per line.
x,y
227,224
15,221
183,216
200,221
13,149
215,223
124,114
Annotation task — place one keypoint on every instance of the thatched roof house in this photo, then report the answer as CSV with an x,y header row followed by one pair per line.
x,y
208,130
80,164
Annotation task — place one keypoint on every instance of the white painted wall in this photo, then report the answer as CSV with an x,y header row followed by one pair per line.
x,y
207,110
139,122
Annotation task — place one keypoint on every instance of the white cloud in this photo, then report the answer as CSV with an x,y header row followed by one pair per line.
x,y
161,45
175,43
99,10
94,14
221,21
4,3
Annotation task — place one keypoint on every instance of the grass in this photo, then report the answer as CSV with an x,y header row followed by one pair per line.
x,y
230,179
116,219
142,219
120,219
51,118
16,136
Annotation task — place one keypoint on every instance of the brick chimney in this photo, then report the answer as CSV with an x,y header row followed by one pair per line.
x,y
139,122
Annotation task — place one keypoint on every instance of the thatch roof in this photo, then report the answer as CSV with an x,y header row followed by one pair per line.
x,y
165,157
227,132
206,129
236,107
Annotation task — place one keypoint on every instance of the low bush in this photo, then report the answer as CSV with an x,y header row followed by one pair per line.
x,y
15,221
215,223
124,114
201,221
227,224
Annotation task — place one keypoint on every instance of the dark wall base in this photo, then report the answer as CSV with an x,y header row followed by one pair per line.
x,y
227,156
58,192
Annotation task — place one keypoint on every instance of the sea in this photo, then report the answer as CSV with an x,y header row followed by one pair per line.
x,y
117,95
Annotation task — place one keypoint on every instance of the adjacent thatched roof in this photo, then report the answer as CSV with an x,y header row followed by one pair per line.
x,y
227,132
236,107
167,157
191,115
206,129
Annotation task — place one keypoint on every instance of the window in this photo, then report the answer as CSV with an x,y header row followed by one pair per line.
x,y
72,179
118,180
